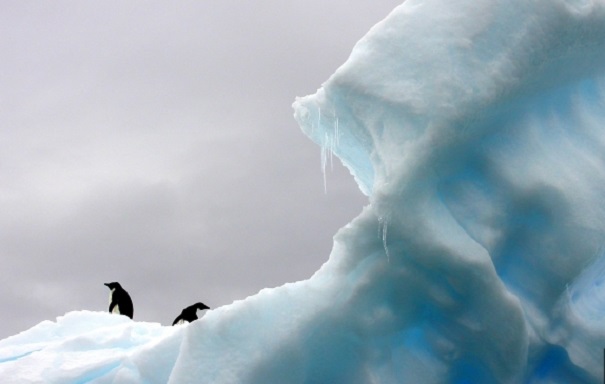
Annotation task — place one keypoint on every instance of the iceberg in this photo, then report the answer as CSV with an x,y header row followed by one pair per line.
x,y
477,130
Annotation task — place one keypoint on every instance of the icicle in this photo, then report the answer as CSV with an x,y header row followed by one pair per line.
x,y
336,133
328,143
382,229
331,154
324,155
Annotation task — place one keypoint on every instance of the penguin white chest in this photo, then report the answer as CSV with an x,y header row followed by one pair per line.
x,y
200,313
116,308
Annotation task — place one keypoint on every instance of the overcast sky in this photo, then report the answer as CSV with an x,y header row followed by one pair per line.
x,y
153,144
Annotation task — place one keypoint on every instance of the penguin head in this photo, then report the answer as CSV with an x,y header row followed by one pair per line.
x,y
201,306
113,286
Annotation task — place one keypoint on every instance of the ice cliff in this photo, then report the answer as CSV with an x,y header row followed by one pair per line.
x,y
477,129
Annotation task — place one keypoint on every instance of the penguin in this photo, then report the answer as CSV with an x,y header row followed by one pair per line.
x,y
189,314
119,300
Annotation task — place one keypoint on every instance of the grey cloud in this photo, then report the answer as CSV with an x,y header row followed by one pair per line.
x,y
154,144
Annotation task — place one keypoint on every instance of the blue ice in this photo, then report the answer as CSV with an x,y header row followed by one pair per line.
x,y
477,130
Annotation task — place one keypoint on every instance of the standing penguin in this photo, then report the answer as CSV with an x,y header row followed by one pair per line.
x,y
119,300
189,314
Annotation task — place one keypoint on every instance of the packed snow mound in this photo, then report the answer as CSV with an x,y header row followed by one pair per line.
x,y
90,346
477,129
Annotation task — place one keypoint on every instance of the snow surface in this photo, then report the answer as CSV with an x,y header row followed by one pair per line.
x,y
477,129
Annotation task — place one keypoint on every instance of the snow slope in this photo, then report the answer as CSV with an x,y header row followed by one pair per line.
x,y
477,129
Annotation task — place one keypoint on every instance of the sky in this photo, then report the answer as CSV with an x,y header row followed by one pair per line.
x,y
153,144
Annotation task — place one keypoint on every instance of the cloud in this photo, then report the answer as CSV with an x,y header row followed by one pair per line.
x,y
154,145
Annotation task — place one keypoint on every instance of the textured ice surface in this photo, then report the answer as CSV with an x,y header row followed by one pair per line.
x,y
477,129
84,346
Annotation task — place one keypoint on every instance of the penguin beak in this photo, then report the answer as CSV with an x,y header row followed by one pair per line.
x,y
106,284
